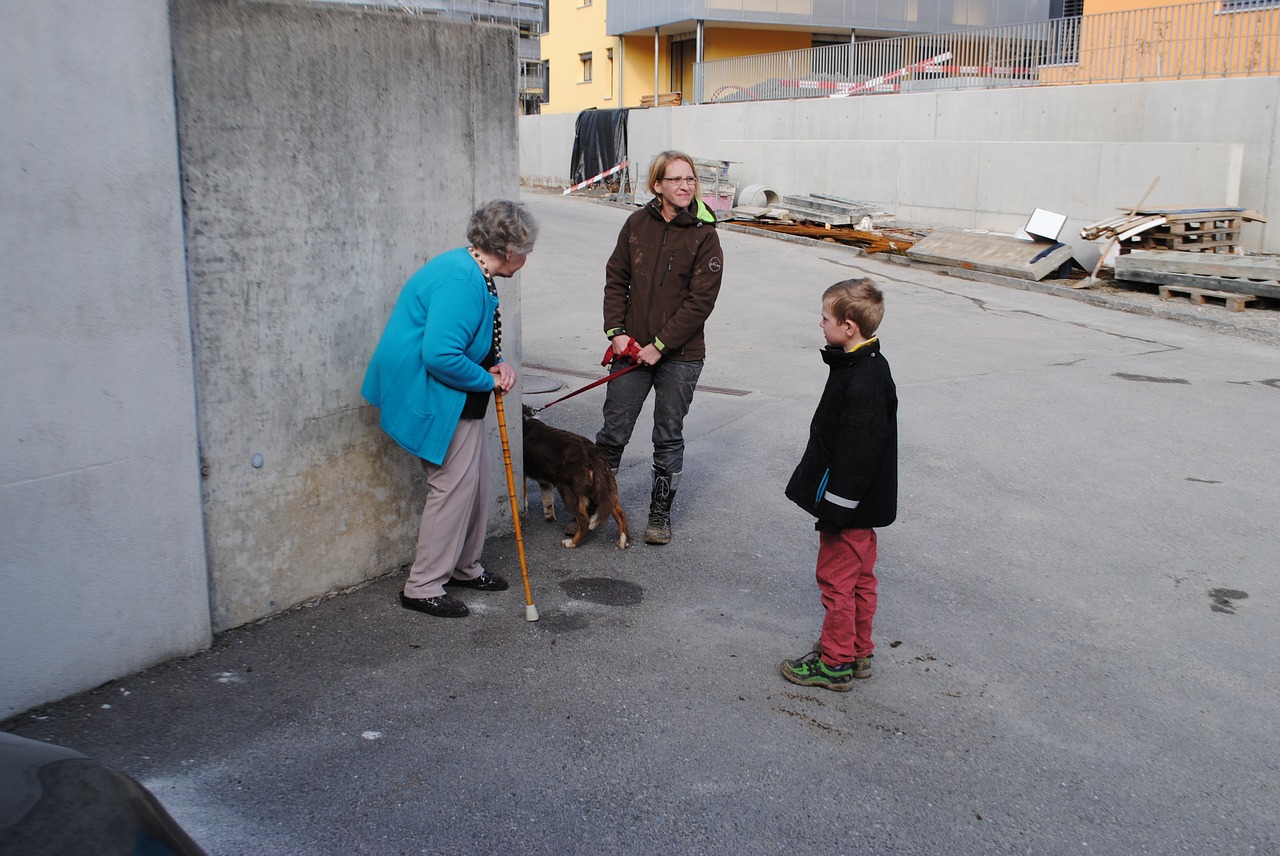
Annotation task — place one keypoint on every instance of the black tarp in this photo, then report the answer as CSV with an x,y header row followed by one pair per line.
x,y
599,143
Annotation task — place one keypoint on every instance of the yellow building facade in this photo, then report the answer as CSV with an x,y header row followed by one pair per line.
x,y
651,56
581,61
586,68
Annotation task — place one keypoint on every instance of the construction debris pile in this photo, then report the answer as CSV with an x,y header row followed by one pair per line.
x,y
829,218
1191,230
1196,252
1193,252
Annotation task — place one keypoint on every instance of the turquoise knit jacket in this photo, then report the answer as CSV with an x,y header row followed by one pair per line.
x,y
429,355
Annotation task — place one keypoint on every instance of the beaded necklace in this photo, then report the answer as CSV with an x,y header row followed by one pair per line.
x,y
493,290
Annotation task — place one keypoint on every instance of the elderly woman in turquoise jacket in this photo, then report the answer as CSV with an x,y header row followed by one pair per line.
x,y
438,361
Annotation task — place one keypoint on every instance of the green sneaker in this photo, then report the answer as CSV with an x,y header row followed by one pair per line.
x,y
861,665
810,671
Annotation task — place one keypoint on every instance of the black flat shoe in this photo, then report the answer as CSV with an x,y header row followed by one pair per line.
x,y
444,606
484,582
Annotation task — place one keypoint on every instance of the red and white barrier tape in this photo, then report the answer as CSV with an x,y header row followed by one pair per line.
x,y
595,178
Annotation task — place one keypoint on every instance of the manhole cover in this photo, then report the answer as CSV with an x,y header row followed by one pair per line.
x,y
532,384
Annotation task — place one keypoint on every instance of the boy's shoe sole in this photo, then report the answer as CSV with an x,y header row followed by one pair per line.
x,y
810,671
861,665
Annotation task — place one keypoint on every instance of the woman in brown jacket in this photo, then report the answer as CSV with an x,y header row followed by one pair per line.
x,y
661,284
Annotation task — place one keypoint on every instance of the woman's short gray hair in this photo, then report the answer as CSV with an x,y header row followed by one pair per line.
x,y
501,227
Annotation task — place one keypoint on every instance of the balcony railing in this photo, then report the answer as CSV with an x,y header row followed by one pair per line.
x,y
1218,38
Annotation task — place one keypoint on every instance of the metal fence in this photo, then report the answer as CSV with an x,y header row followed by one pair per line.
x,y
1219,38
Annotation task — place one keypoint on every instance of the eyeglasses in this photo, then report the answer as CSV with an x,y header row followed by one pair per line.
x,y
689,180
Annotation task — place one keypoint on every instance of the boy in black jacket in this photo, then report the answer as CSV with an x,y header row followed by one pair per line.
x,y
848,479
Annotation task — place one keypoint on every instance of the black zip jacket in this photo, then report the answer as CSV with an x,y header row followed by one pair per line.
x,y
662,280
848,477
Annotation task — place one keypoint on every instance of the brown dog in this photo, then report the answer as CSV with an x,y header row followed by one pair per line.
x,y
579,471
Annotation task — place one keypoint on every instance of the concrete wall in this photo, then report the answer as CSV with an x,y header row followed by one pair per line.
x,y
102,564
984,159
546,147
324,154
327,152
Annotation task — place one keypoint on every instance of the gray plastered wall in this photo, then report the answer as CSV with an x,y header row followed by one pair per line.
x,y
327,153
102,566
183,289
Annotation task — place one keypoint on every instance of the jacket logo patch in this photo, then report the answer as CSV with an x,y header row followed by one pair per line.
x,y
714,264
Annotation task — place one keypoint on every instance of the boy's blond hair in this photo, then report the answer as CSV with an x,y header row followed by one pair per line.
x,y
856,300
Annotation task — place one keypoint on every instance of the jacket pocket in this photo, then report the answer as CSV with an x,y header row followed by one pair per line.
x,y
410,424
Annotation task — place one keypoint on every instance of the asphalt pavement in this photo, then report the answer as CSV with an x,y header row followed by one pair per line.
x,y
1078,638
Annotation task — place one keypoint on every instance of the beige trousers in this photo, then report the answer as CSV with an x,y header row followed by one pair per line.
x,y
456,514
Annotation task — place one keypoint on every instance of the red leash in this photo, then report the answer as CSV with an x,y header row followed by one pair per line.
x,y
632,351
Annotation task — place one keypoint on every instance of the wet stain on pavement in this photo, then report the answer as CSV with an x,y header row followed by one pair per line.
x,y
1273,382
1149,378
1202,481
1224,600
561,622
604,591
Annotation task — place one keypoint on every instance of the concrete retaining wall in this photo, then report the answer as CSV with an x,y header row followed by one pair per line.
x,y
983,159
327,153
102,566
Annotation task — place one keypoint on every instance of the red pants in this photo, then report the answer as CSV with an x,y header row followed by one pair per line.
x,y
847,583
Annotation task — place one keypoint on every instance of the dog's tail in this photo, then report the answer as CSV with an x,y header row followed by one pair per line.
x,y
604,490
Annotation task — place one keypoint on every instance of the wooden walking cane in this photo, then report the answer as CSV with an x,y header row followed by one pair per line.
x,y
530,611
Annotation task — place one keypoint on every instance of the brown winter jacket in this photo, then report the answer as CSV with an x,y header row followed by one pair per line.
x,y
662,280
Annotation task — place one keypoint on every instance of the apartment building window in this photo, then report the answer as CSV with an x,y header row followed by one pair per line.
x,y
1248,5
608,55
585,59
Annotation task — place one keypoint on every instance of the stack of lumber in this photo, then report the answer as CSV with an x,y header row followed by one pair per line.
x,y
871,242
825,217
1191,230
821,209
665,99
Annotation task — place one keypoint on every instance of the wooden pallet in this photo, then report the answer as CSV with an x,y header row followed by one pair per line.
x,y
1217,235
1233,302
1188,230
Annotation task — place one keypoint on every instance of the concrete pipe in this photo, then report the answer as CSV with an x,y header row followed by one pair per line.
x,y
758,196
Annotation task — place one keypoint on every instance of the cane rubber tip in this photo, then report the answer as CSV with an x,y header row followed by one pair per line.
x,y
531,613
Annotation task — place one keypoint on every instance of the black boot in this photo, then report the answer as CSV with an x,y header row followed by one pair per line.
x,y
664,494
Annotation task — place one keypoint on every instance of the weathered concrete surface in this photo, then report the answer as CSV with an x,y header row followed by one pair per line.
x,y
982,159
326,152
999,254
102,567
1061,664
